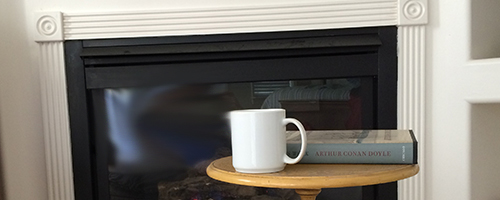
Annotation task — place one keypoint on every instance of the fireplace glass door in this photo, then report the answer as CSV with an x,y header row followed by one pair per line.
x,y
148,115
163,138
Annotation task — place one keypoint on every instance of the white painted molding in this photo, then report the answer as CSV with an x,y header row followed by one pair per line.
x,y
48,26
56,121
483,100
53,28
411,102
237,19
487,62
412,12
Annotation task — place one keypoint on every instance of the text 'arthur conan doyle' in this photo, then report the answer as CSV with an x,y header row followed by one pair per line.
x,y
353,153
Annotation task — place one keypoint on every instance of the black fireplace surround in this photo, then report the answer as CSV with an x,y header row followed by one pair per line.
x,y
95,65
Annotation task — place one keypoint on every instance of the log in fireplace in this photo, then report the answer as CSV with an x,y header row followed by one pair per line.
x,y
154,89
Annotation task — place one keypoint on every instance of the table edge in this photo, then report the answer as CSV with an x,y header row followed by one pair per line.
x,y
311,182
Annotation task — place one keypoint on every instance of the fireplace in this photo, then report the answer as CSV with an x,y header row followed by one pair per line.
x,y
173,91
53,28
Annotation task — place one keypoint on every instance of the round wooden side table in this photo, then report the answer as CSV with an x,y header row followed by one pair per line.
x,y
308,179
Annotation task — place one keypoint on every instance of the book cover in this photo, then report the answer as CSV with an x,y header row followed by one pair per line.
x,y
355,146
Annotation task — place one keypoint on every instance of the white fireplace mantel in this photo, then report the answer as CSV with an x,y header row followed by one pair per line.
x,y
55,27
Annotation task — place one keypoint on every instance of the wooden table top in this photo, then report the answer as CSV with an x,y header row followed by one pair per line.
x,y
313,176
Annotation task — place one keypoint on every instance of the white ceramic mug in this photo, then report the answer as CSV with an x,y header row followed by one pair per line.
x,y
259,142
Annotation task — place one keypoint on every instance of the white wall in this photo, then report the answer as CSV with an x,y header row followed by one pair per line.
x,y
447,53
452,80
21,127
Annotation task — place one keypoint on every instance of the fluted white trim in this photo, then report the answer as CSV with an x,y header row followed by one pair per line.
x,y
236,19
307,15
56,121
411,101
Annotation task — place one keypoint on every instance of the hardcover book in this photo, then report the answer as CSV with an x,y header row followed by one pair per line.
x,y
356,146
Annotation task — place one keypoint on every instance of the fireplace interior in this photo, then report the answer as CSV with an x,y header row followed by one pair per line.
x,y
147,115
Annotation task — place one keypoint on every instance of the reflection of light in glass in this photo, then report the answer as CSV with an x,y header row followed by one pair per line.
x,y
169,124
119,123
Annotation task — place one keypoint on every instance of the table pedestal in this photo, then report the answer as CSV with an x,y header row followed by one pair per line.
x,y
308,194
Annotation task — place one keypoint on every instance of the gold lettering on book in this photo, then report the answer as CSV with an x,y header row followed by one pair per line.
x,y
354,153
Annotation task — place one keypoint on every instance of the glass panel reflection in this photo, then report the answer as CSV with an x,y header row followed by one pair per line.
x,y
163,138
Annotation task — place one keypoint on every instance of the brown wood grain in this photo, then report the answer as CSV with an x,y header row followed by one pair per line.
x,y
313,176
308,194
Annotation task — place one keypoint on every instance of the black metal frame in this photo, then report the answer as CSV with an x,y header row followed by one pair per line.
x,y
93,65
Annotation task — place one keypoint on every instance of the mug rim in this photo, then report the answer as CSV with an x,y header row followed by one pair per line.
x,y
257,110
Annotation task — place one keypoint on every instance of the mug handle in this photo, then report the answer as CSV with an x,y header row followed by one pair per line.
x,y
303,136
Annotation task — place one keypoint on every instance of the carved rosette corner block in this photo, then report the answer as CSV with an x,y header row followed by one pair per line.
x,y
412,12
49,27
